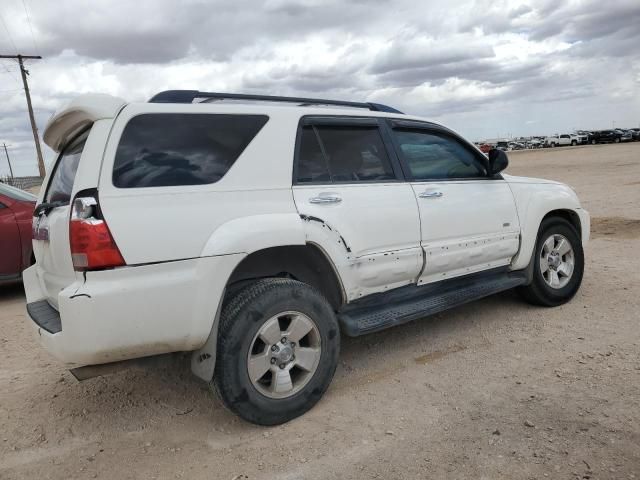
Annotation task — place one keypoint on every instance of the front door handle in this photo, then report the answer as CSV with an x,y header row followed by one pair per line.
x,y
326,198
431,194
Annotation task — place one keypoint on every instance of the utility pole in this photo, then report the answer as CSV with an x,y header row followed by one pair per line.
x,y
24,72
8,161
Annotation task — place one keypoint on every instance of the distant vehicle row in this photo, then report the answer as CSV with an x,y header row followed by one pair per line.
x,y
580,137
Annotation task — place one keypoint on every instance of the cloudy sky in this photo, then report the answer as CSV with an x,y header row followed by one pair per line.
x,y
487,68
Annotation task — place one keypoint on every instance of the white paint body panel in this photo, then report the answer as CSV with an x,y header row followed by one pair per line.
x,y
534,199
134,312
372,235
472,226
182,243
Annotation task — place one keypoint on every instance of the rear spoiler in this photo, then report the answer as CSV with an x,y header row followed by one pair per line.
x,y
78,115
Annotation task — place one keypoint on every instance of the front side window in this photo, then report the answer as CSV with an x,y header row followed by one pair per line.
x,y
169,149
339,154
431,155
64,174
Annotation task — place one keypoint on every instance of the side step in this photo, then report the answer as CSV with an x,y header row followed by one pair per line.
x,y
383,310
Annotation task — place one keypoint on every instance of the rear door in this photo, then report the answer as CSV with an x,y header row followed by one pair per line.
x,y
346,181
468,221
51,229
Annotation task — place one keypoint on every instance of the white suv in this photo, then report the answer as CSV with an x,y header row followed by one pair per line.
x,y
253,231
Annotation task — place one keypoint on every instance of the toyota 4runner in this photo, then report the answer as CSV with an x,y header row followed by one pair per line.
x,y
253,231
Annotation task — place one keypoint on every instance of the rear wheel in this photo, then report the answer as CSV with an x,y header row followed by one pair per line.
x,y
593,142
277,350
573,143
558,264
617,140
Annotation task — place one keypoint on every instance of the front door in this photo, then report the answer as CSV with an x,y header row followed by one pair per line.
x,y
348,187
468,220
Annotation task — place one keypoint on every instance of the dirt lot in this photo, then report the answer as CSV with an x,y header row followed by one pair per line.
x,y
495,389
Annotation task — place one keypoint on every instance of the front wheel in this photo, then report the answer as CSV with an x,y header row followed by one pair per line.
x,y
593,142
278,349
617,140
574,143
558,264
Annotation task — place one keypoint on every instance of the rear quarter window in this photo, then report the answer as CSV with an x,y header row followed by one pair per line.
x,y
64,174
170,149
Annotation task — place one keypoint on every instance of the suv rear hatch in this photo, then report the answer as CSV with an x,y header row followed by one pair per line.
x,y
79,134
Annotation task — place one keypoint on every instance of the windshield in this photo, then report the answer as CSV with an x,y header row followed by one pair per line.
x,y
16,193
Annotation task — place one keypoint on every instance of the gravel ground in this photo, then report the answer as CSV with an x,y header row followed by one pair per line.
x,y
494,389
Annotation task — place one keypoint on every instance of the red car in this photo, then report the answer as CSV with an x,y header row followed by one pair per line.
x,y
16,215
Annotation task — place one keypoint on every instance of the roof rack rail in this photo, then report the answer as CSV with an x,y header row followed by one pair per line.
x,y
187,96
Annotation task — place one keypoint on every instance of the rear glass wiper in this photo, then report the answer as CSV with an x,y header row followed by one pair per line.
x,y
46,207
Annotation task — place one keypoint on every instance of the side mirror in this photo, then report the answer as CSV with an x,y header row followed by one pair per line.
x,y
498,161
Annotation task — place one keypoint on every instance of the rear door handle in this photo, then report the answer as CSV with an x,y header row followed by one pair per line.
x,y
431,194
325,198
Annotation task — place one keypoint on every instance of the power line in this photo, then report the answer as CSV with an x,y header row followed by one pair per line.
x,y
34,128
35,44
9,34
9,71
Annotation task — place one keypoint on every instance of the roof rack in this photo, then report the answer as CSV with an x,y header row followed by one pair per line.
x,y
188,96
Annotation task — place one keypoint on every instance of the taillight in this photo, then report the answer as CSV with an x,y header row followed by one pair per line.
x,y
92,246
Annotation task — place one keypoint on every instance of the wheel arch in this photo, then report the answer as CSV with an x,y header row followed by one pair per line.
x,y
567,214
306,263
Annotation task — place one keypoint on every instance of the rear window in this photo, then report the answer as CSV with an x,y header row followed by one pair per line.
x,y
169,149
61,183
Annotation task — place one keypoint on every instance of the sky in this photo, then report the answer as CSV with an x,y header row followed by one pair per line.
x,y
484,68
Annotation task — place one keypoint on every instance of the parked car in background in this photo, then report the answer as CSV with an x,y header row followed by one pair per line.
x,y
605,136
625,135
582,137
535,142
635,134
16,214
561,140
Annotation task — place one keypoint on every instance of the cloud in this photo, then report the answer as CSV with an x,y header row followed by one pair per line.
x,y
479,66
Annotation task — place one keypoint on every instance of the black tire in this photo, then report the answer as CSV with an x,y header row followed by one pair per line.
x,y
539,292
617,140
593,142
241,318
574,143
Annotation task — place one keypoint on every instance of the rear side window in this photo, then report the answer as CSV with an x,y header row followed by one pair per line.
x,y
169,149
431,155
64,174
339,154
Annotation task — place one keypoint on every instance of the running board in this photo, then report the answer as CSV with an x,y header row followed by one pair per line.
x,y
383,310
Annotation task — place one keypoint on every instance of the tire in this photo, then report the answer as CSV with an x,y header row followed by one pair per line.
x,y
540,292
593,142
553,145
617,140
573,143
255,316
